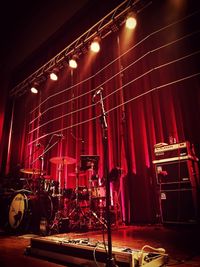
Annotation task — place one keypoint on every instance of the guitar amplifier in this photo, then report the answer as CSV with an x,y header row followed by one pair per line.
x,y
173,151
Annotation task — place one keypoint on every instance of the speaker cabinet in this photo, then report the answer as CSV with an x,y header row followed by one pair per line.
x,y
179,206
178,181
176,171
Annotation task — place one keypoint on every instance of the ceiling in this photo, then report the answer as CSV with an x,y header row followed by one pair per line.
x,y
26,25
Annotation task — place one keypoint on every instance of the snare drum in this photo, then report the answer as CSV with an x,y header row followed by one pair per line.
x,y
26,211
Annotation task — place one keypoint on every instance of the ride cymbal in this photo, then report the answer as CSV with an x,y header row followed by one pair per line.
x,y
62,160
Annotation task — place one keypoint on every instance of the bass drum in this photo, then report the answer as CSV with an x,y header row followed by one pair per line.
x,y
26,211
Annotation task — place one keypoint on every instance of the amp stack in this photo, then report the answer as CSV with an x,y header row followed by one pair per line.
x,y
177,174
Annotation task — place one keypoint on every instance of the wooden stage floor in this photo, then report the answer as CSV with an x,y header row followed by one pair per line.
x,y
181,243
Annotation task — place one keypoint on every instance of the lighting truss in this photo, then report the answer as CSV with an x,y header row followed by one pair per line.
x,y
102,28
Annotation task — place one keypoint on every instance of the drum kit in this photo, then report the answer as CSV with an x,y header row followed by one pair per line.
x,y
44,206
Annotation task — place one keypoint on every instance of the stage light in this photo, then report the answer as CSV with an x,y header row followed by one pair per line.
x,y
54,75
34,89
73,62
95,46
131,22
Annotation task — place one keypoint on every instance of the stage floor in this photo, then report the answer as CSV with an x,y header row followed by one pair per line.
x,y
181,243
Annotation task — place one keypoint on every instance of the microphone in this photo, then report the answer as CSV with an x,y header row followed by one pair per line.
x,y
97,92
38,145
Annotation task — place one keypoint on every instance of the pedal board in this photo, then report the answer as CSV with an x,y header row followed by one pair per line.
x,y
86,252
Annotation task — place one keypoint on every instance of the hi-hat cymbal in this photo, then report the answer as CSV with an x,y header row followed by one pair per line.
x,y
62,160
30,171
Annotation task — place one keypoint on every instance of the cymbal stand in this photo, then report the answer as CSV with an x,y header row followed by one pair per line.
x,y
59,215
77,210
91,212
91,172
60,171
46,149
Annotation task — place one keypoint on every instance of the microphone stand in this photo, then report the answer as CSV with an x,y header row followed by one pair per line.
x,y
48,147
110,260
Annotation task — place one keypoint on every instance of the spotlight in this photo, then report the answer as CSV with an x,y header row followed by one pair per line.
x,y
131,21
54,75
73,62
95,46
34,88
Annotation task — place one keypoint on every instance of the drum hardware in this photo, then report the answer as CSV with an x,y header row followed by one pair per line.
x,y
60,223
43,226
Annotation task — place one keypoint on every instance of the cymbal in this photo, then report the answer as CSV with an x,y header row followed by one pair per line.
x,y
30,171
73,174
62,160
48,177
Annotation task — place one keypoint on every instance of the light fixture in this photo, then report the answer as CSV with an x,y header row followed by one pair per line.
x,y
131,21
95,45
34,88
54,74
73,62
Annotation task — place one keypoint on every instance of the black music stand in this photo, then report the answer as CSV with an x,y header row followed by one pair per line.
x,y
88,162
